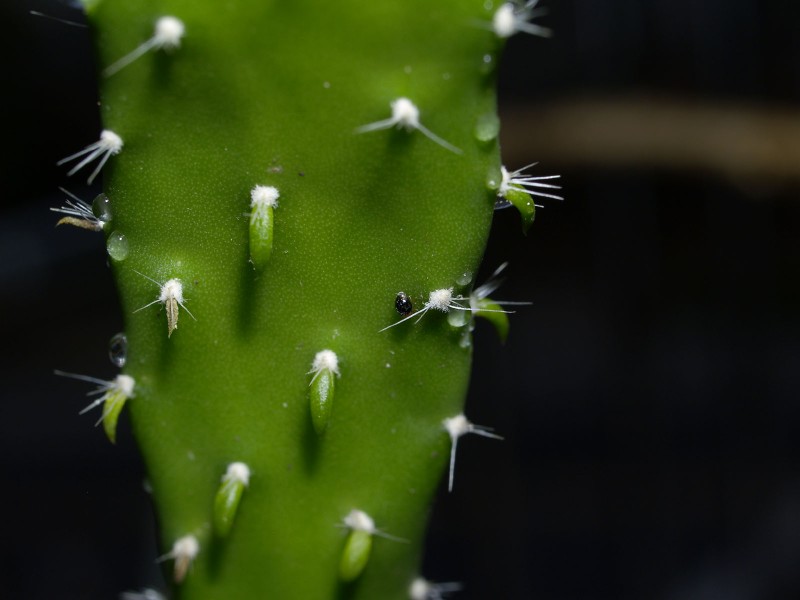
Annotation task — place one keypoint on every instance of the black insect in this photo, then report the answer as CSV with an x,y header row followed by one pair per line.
x,y
403,304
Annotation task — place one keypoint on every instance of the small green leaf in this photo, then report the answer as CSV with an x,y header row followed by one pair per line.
x,y
321,399
523,202
226,504
493,312
264,200
112,407
355,555
261,237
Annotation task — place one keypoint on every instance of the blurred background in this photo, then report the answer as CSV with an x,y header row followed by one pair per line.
x,y
649,397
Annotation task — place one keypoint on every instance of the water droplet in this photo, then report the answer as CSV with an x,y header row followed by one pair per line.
x,y
407,69
488,5
466,340
493,179
487,64
117,246
465,278
457,318
501,203
487,127
101,208
118,350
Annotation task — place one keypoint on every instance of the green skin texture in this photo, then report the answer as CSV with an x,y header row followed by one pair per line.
x,y
243,102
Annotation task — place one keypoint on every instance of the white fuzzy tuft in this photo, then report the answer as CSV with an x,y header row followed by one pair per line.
x,y
503,21
264,195
110,141
441,299
168,33
405,113
186,547
325,360
238,472
125,384
358,520
172,290
457,426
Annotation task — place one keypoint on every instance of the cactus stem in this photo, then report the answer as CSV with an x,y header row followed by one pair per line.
x,y
457,427
405,115
167,35
109,144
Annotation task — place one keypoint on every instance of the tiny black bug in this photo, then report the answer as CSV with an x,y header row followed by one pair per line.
x,y
403,304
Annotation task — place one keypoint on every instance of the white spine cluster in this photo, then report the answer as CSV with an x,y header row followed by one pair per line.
x,y
167,35
79,213
457,427
519,181
358,520
405,115
422,589
109,144
171,296
121,384
512,18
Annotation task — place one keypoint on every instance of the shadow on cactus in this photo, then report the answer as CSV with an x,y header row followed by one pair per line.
x,y
310,180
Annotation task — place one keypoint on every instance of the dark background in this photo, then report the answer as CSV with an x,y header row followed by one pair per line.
x,y
649,397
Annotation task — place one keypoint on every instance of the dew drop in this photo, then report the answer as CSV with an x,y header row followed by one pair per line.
x,y
118,350
457,318
466,340
501,203
487,127
117,246
101,208
465,278
493,179
487,64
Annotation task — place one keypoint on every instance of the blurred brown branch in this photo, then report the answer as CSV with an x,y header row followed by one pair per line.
x,y
735,141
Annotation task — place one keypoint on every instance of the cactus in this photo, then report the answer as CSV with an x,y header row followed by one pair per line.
x,y
299,194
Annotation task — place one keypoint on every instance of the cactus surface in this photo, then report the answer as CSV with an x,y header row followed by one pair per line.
x,y
316,101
